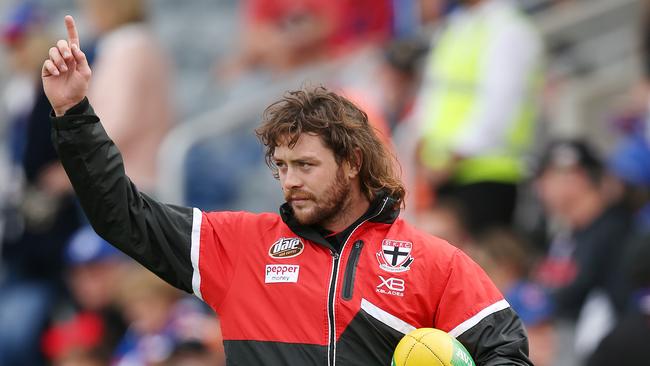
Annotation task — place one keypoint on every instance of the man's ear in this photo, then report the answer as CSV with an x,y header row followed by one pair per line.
x,y
354,164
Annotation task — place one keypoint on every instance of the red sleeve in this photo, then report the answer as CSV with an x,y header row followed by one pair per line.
x,y
215,251
468,297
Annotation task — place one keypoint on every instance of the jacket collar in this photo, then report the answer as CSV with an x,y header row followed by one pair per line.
x,y
382,210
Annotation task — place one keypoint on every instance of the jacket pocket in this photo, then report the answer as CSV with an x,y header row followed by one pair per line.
x,y
351,270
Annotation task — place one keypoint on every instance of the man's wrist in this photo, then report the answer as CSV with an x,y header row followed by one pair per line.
x,y
61,111
77,108
79,114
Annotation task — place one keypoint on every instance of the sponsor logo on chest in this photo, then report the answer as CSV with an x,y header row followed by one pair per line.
x,y
278,273
391,286
395,255
286,248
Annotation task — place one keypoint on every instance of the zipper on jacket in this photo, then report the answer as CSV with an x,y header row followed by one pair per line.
x,y
331,296
351,269
330,309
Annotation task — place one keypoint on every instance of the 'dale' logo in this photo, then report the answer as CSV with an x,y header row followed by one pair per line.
x,y
286,248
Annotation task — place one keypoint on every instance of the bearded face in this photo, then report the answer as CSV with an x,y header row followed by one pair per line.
x,y
314,183
318,208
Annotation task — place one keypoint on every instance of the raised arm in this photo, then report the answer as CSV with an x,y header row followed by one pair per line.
x,y
158,236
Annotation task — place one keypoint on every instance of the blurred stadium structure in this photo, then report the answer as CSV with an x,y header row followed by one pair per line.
x,y
593,50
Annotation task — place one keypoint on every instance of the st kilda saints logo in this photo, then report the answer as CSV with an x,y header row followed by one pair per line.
x,y
286,248
395,255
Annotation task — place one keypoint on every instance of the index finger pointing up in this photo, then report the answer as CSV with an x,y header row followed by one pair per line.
x,y
73,37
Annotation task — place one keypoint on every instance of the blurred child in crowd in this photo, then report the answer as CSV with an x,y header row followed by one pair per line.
x,y
91,326
507,260
160,319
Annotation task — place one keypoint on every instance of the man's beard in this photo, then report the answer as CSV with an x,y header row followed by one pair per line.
x,y
332,203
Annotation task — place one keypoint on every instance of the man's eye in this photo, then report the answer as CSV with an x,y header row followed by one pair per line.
x,y
279,164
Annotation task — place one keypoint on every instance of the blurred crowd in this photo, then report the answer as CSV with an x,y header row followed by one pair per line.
x,y
459,89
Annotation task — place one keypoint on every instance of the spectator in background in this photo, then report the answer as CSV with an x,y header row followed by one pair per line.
x,y
92,325
582,266
282,35
414,17
160,320
399,79
629,165
507,260
193,354
569,185
76,342
278,36
445,220
389,95
627,343
43,211
478,109
364,22
131,93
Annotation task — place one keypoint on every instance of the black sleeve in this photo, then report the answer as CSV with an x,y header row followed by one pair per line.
x,y
155,234
498,339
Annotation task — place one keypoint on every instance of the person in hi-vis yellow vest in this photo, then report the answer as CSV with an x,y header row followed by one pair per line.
x,y
478,108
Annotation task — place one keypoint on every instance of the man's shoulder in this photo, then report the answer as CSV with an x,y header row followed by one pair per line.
x,y
243,220
431,243
241,224
262,218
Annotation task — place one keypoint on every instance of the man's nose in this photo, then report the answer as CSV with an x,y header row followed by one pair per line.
x,y
292,179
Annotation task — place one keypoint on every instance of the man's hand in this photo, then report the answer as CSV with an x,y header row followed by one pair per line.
x,y
66,72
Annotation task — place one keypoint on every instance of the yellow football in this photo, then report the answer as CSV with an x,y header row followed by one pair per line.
x,y
430,347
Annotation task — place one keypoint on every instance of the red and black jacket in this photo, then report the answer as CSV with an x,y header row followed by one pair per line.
x,y
284,294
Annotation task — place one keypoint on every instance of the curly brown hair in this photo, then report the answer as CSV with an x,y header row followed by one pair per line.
x,y
344,129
